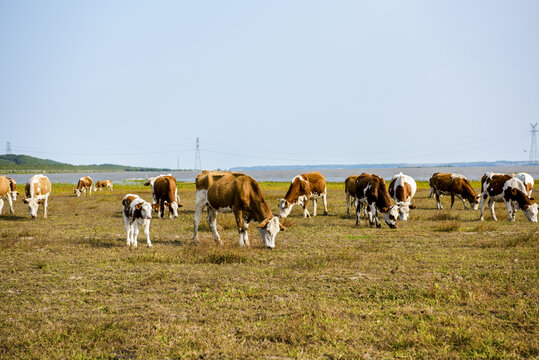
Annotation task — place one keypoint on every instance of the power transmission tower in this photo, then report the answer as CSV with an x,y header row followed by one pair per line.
x,y
8,147
534,157
198,165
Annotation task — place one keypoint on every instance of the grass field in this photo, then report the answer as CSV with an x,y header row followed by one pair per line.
x,y
443,285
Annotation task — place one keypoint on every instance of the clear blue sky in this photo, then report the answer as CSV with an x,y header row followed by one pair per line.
x,y
268,82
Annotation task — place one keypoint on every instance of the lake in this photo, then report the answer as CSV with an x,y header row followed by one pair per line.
x,y
332,175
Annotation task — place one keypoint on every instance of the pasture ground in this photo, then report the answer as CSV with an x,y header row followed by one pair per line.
x,y
443,285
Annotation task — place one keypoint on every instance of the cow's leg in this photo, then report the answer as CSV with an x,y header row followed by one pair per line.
x,y
431,194
370,214
315,204
348,203
200,202
305,211
212,221
438,202
482,205
509,207
452,200
146,225
90,191
135,234
127,231
375,212
10,201
1,205
463,202
358,211
238,215
491,207
325,201
45,204
161,213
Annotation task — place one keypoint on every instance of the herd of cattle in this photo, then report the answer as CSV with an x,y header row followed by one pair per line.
x,y
221,191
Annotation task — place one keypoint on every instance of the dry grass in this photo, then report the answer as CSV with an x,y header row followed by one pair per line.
x,y
443,285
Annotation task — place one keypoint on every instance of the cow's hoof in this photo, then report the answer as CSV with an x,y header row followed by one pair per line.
x,y
378,226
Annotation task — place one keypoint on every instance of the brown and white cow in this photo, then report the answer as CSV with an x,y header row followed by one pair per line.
x,y
5,191
240,194
103,184
304,187
527,179
402,189
165,192
13,185
454,185
203,182
371,191
136,211
37,190
509,189
350,192
84,186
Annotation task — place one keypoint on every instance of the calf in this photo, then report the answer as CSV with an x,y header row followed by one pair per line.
x,y
371,191
12,185
242,195
136,212
402,189
37,190
83,186
304,187
454,185
165,192
5,191
509,189
103,184
527,180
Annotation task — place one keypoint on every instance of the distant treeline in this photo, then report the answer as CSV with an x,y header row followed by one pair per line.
x,y
11,162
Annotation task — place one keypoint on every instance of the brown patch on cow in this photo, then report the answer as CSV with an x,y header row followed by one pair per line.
x,y
445,182
41,187
350,185
206,178
494,184
5,187
312,183
85,182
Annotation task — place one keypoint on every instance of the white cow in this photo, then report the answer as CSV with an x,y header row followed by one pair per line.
x,y
136,211
37,190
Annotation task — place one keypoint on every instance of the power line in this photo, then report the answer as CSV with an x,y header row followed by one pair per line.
x,y
197,156
534,157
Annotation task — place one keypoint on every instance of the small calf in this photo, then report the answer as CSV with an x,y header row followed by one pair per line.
x,y
136,212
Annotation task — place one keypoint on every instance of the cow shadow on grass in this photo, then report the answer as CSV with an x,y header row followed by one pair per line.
x,y
14,217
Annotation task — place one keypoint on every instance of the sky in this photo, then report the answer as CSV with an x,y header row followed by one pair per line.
x,y
268,82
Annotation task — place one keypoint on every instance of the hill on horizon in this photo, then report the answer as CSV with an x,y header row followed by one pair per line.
x,y
26,162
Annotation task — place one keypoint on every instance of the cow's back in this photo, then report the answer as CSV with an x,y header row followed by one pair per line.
x,y
165,188
4,186
317,181
350,185
362,181
38,185
206,178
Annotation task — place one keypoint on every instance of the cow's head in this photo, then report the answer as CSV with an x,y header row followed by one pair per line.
x,y
77,192
390,215
474,203
174,207
268,229
14,195
33,205
145,209
404,209
284,208
531,212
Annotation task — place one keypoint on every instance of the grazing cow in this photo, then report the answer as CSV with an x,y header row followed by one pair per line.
x,y
371,191
240,194
136,212
102,184
350,192
12,185
527,179
165,193
402,189
37,190
304,187
5,191
509,189
454,185
84,185
203,182
150,181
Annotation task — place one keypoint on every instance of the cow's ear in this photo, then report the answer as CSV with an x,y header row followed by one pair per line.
x,y
25,201
180,205
526,207
138,206
412,206
530,198
40,202
263,223
147,183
